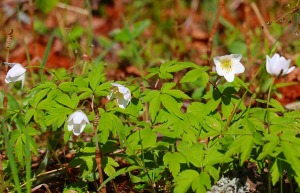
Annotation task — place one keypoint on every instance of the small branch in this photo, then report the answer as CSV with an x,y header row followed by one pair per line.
x,y
264,26
214,31
73,8
246,29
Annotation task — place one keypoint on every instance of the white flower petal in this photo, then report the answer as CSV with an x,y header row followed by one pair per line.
x,y
78,128
238,67
77,122
16,73
122,103
122,95
229,77
290,69
229,65
70,127
238,57
278,65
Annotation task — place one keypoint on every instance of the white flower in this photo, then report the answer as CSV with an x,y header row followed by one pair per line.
x,y
278,65
77,122
229,65
16,73
121,94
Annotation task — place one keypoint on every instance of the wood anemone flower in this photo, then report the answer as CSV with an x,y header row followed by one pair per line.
x,y
229,65
278,65
16,73
121,94
77,122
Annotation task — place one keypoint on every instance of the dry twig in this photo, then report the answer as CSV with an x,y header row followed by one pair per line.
x,y
214,31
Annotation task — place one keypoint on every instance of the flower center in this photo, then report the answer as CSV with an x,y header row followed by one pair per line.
x,y
226,65
117,93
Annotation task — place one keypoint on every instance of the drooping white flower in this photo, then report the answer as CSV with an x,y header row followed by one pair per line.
x,y
278,65
16,73
229,65
77,122
121,94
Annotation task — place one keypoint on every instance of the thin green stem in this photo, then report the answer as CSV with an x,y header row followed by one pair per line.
x,y
267,115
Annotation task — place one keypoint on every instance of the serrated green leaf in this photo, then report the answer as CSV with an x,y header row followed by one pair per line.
x,y
29,115
171,105
119,172
184,180
194,75
269,147
277,105
165,75
101,90
109,165
275,172
154,106
167,86
96,75
38,97
213,172
104,126
193,153
67,87
65,100
212,123
173,160
177,94
202,183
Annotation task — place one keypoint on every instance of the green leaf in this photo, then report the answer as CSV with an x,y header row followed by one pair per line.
x,y
96,75
194,75
101,90
243,145
38,97
119,172
277,105
65,100
110,123
202,183
177,94
165,75
184,180
190,178
29,115
173,160
109,165
193,153
57,116
171,105
275,173
153,97
212,123
67,87
167,86
269,147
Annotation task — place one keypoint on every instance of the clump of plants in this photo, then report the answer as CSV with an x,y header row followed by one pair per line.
x,y
147,129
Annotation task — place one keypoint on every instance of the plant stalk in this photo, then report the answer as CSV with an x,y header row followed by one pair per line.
x,y
98,155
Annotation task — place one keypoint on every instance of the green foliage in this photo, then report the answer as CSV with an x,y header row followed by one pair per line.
x,y
182,130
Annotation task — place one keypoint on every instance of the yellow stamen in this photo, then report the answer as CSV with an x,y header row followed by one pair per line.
x,y
226,65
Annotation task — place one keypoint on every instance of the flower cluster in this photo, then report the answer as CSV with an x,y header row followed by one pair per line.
x,y
78,120
229,65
